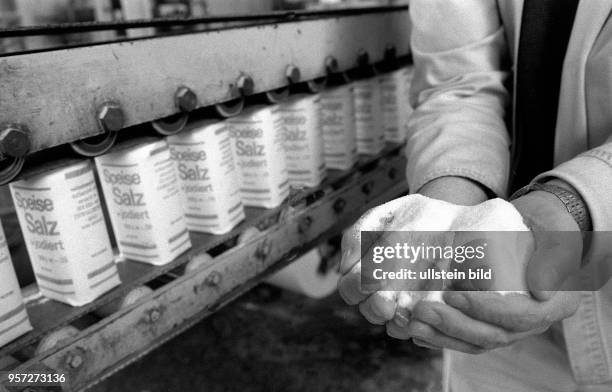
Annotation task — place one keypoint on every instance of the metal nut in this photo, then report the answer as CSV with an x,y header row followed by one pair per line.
x,y
186,99
390,53
331,64
363,58
213,279
14,141
111,117
245,84
293,74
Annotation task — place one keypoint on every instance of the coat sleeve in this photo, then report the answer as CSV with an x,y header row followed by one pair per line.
x,y
461,65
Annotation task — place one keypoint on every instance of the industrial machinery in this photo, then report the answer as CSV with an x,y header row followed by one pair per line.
x,y
57,104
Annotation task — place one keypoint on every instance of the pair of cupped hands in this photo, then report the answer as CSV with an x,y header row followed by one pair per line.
x,y
474,321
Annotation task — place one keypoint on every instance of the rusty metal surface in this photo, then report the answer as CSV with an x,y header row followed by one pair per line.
x,y
58,94
123,337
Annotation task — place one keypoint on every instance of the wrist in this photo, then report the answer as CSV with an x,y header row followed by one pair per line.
x,y
456,190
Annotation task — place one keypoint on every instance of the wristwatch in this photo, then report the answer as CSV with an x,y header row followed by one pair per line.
x,y
574,204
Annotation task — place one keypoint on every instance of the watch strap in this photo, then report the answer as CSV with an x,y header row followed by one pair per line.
x,y
574,204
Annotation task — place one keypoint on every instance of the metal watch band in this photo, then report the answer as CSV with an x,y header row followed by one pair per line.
x,y
572,201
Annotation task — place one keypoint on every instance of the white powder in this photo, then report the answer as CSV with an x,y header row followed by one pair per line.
x,y
142,193
368,116
337,121
63,225
260,157
208,177
395,90
14,320
302,140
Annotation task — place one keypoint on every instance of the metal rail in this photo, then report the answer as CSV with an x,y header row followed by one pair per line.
x,y
276,17
62,96
112,343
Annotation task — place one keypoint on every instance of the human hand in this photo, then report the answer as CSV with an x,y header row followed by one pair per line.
x,y
474,322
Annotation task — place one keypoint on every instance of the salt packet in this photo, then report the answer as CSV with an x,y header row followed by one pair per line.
x,y
140,185
302,136
208,177
63,225
337,121
257,144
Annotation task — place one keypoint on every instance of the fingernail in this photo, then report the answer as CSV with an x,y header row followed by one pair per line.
x,y
457,301
429,316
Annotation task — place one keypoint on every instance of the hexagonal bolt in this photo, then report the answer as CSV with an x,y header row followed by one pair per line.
x,y
293,74
363,58
15,141
213,279
185,99
245,85
339,205
390,53
74,361
110,117
154,315
331,65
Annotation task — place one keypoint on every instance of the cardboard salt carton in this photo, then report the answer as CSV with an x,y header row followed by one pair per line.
x,y
368,116
337,121
140,185
396,108
14,320
208,177
257,144
67,239
302,140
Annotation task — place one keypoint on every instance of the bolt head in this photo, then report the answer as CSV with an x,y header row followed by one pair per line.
x,y
390,53
246,85
186,99
111,117
363,58
331,64
293,74
14,141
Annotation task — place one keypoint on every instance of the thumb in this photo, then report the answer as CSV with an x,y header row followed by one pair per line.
x,y
555,260
558,243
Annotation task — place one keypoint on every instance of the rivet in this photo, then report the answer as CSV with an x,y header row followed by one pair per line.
x,y
392,173
15,141
367,188
111,117
186,99
74,361
154,315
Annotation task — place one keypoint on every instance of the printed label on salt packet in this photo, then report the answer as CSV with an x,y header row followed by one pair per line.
x,y
14,320
298,120
67,239
368,116
395,104
260,157
208,177
140,185
337,120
